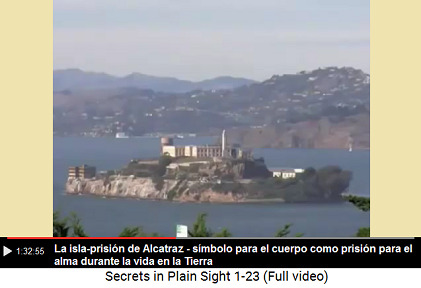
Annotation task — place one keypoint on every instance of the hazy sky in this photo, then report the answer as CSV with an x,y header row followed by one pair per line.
x,y
200,39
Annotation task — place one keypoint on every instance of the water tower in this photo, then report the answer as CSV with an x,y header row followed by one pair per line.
x,y
166,141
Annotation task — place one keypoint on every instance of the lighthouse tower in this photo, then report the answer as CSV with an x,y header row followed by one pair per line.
x,y
224,143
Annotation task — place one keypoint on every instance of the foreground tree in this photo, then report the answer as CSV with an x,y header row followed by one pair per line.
x,y
72,227
201,230
136,232
363,232
60,226
363,204
224,233
284,232
68,226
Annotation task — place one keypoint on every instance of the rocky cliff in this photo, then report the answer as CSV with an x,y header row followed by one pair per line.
x,y
238,180
145,188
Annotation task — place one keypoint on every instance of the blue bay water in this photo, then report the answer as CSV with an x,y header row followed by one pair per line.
x,y
107,217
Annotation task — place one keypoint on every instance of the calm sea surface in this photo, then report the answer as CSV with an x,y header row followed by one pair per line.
x,y
107,217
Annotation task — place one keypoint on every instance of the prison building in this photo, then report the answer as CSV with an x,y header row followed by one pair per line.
x,y
209,151
82,172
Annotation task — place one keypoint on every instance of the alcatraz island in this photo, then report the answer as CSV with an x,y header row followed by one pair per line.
x,y
209,173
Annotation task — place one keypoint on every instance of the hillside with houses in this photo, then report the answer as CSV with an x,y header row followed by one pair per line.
x,y
323,108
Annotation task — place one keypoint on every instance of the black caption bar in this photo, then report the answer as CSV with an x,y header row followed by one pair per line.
x,y
211,253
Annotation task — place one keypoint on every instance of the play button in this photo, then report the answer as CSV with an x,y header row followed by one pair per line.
x,y
6,250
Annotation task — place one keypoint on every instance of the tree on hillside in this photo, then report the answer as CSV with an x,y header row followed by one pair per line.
x,y
163,162
333,181
160,171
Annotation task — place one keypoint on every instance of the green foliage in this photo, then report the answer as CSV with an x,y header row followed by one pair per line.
x,y
75,223
67,227
363,232
238,188
325,184
332,181
224,233
309,173
163,162
136,232
234,187
171,194
138,169
283,232
72,227
201,230
199,227
362,203
158,181
60,226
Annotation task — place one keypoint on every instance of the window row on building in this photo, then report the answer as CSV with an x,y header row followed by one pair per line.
x,y
82,172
